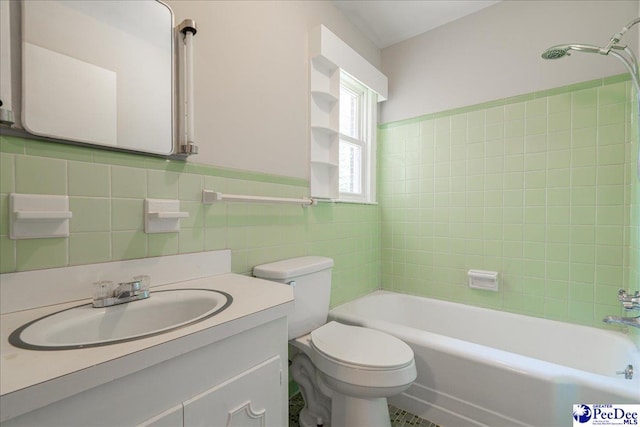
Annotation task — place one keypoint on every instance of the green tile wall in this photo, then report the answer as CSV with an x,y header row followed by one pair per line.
x,y
107,189
536,187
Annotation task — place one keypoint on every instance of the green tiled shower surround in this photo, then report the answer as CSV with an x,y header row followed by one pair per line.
x,y
107,190
538,187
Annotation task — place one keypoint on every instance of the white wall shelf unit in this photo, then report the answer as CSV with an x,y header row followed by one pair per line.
x,y
324,132
324,112
328,55
323,96
324,81
324,146
324,180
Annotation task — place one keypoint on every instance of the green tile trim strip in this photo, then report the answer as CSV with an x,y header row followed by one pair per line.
x,y
511,100
12,142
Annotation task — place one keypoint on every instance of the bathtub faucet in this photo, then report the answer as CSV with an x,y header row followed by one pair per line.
x,y
628,321
629,302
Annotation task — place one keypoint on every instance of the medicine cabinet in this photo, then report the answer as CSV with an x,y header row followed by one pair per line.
x,y
99,72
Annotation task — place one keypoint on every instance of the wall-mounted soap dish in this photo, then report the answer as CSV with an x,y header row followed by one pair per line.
x,y
34,216
162,216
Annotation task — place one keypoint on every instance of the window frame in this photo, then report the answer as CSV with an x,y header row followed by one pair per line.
x,y
368,112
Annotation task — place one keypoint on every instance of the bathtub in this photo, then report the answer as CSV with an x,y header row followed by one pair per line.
x,y
481,367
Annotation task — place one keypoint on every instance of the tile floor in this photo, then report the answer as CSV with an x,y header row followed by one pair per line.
x,y
399,417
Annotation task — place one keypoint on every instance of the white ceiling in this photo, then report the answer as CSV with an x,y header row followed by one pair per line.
x,y
386,22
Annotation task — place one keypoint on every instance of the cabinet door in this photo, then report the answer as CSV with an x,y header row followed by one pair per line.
x,y
170,418
251,399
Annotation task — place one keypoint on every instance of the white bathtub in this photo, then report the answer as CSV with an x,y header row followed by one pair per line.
x,y
480,367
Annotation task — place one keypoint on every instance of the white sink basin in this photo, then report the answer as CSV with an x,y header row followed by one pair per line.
x,y
86,326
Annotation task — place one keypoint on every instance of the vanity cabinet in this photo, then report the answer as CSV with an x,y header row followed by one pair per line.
x,y
240,380
245,400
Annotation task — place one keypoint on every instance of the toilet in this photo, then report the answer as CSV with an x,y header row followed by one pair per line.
x,y
345,372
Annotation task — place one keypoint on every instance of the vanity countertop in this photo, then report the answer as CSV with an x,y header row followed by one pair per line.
x,y
31,378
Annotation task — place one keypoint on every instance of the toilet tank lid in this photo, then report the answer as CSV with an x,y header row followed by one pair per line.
x,y
293,267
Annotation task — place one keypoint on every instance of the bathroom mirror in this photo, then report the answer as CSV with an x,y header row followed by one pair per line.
x,y
99,72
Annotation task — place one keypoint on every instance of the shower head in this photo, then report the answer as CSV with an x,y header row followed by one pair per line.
x,y
556,52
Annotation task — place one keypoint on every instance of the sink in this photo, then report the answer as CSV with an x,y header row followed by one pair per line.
x,y
85,326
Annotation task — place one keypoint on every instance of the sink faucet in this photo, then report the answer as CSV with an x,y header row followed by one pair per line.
x,y
106,294
628,321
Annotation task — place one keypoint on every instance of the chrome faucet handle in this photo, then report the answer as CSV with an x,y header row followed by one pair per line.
x,y
623,294
103,289
139,284
629,302
127,289
628,372
144,280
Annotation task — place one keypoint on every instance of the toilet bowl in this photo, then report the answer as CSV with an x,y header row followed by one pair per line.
x,y
345,372
360,367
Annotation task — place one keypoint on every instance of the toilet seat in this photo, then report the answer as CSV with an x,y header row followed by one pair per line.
x,y
360,347
361,357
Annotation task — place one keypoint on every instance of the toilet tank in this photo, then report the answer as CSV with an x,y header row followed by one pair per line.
x,y
311,278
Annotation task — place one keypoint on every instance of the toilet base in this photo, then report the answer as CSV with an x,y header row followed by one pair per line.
x,y
340,410
347,411
357,411
306,419
350,397
317,406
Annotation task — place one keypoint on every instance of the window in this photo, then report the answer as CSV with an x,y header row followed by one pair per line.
x,y
358,110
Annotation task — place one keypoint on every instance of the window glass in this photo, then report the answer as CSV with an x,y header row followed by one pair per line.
x,y
350,168
356,174
349,112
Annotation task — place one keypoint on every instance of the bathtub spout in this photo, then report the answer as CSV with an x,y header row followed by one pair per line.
x,y
628,321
